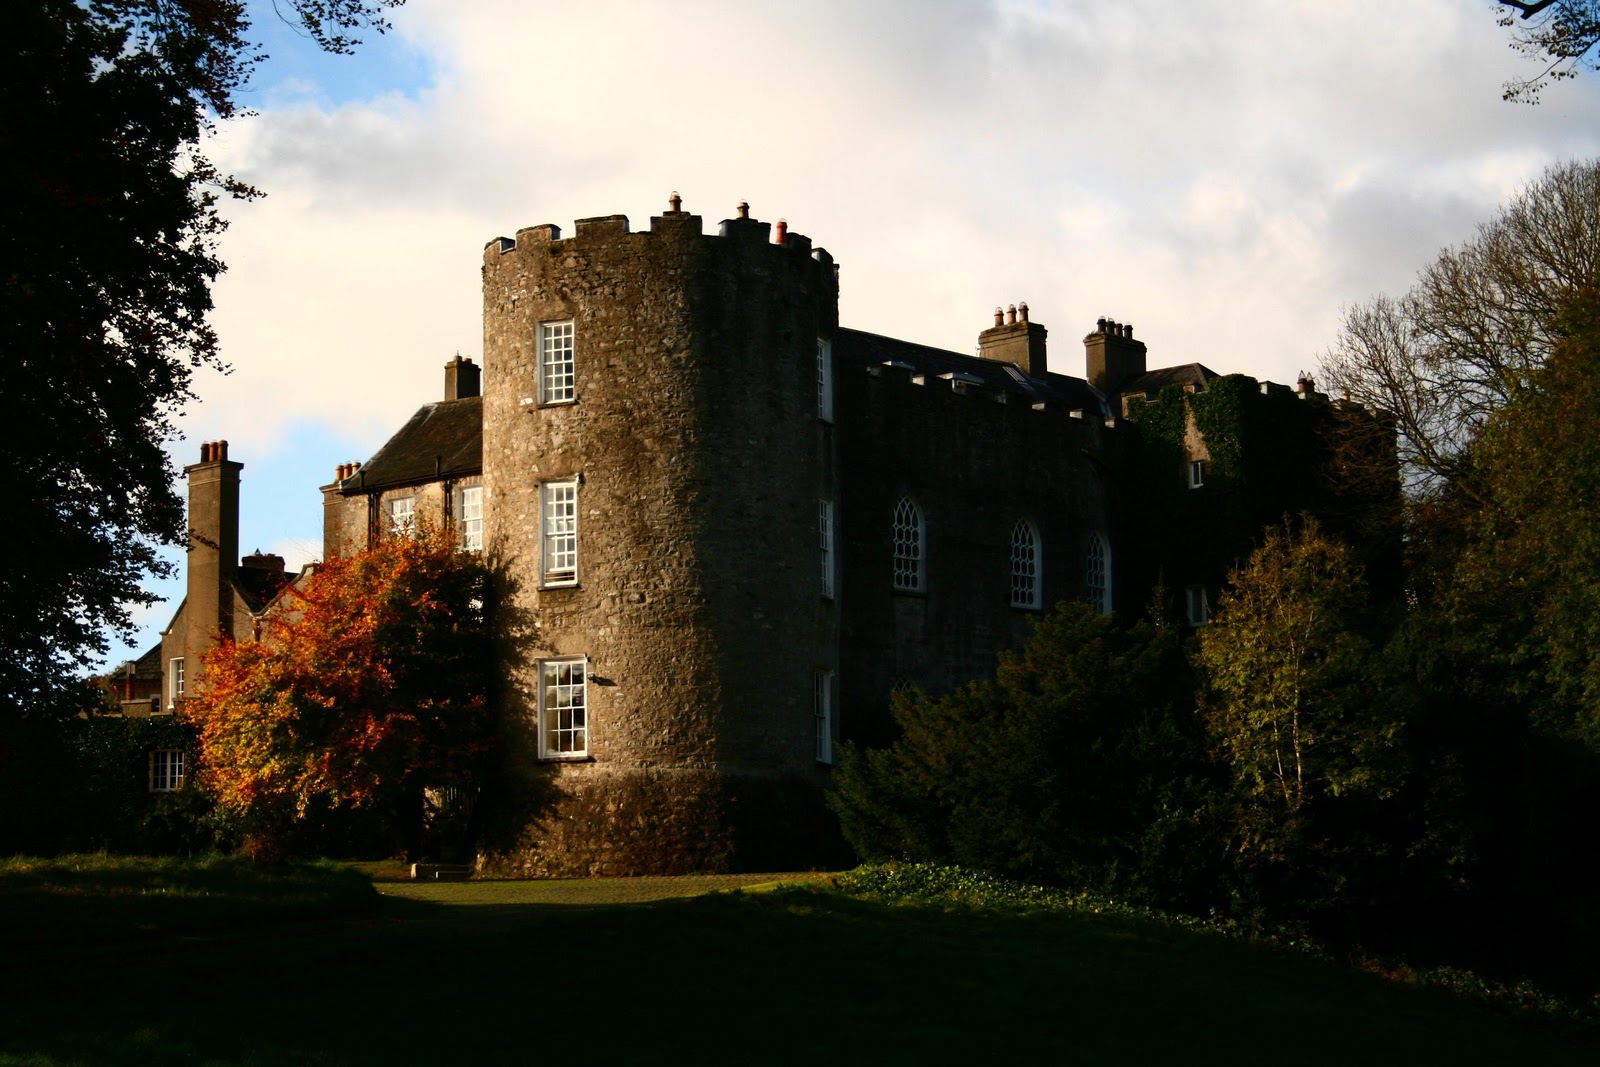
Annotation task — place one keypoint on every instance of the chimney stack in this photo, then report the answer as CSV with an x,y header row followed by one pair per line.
x,y
1014,340
1112,356
213,552
462,378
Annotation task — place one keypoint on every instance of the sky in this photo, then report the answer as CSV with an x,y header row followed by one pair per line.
x,y
1225,175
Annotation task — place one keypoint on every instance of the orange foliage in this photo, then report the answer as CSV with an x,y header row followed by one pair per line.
x,y
368,687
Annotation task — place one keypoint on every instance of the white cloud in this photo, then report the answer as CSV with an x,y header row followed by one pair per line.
x,y
1177,165
1225,175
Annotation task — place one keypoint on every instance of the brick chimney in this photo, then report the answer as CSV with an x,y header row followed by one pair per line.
x,y
213,550
1014,340
1113,358
462,379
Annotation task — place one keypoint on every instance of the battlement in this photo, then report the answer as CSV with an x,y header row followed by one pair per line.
x,y
913,381
676,223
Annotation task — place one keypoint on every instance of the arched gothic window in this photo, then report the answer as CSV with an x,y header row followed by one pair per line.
x,y
1025,569
1097,573
909,545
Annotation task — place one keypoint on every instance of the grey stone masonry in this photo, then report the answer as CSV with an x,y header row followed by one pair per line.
x,y
691,431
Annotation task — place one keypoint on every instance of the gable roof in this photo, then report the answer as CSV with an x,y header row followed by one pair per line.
x,y
442,440
1191,376
871,349
260,585
148,666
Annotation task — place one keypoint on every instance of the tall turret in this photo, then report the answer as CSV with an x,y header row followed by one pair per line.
x,y
657,458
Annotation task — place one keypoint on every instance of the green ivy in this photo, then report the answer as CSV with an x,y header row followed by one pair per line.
x,y
85,785
1266,460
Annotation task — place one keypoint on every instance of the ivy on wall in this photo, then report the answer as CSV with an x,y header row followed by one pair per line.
x,y
1268,458
84,784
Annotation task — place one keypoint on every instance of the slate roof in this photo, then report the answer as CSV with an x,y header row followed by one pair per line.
x,y
260,584
1150,383
443,439
871,349
148,666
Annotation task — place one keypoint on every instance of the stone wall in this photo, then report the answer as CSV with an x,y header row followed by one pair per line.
x,y
350,519
974,466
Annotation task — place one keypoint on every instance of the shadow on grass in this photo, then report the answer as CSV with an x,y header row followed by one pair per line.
x,y
785,976
96,902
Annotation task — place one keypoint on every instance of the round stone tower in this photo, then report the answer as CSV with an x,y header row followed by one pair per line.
x,y
659,475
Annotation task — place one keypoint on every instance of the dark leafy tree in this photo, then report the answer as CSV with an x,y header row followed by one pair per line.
x,y
108,248
1489,368
370,689
1295,716
1526,561
1560,34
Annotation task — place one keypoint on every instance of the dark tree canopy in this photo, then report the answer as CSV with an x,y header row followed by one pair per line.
x,y
108,248
1561,34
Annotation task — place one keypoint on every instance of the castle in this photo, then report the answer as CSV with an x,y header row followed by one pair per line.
x,y
728,527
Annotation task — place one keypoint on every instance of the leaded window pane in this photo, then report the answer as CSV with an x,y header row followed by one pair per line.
x,y
908,546
1024,565
1097,573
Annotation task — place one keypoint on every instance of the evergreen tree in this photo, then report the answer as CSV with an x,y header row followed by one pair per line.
x,y
1080,764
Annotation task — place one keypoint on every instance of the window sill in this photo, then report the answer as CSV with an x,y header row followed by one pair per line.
x,y
551,586
566,759
918,593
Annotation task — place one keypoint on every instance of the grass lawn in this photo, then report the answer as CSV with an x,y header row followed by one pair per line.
x,y
507,972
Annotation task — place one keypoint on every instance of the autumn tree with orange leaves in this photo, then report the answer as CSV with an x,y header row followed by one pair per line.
x,y
367,691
